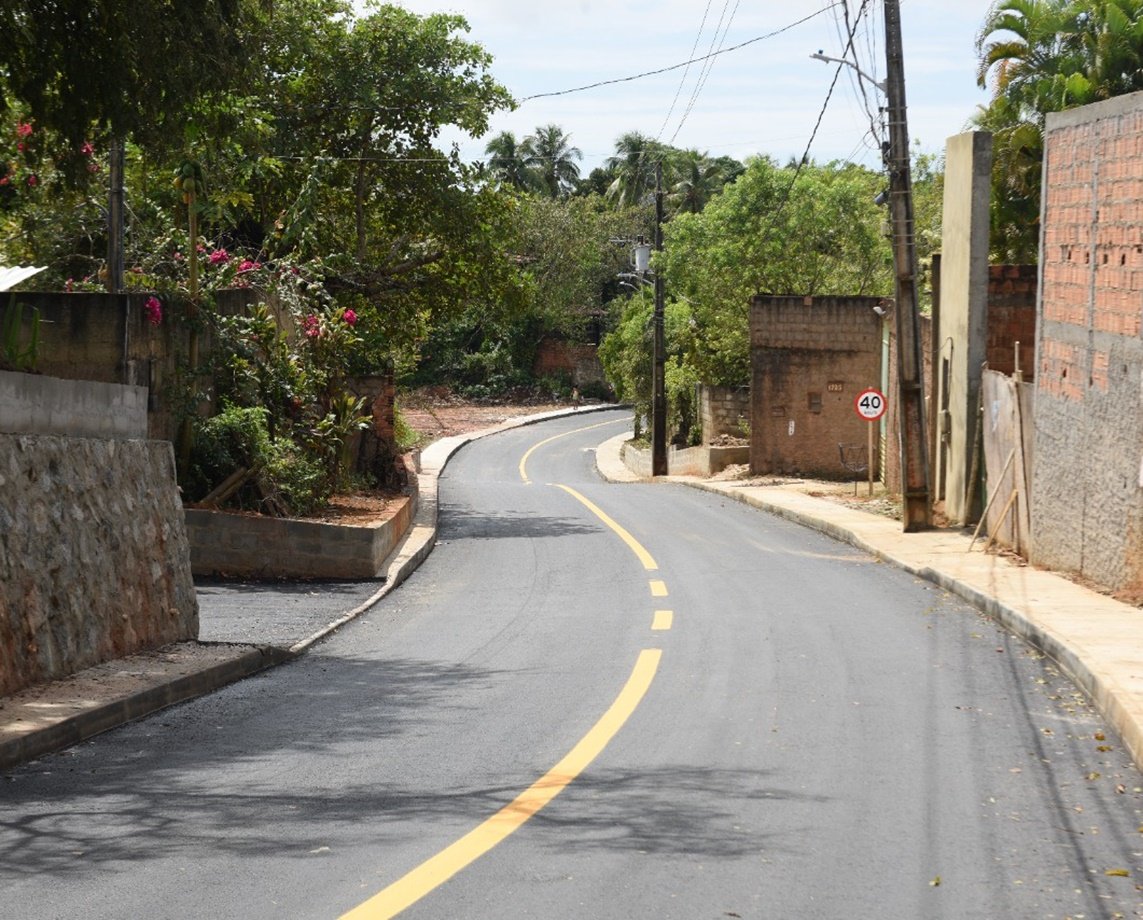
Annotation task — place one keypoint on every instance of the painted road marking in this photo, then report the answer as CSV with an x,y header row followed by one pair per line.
x,y
664,620
634,545
531,450
433,873
659,589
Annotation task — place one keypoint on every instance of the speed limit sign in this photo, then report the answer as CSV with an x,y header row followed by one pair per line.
x,y
870,404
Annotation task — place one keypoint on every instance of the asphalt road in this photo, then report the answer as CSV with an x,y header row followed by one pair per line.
x,y
509,735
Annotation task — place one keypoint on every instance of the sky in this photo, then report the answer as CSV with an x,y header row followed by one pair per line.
x,y
764,98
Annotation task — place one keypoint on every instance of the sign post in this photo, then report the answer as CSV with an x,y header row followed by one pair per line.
x,y
870,405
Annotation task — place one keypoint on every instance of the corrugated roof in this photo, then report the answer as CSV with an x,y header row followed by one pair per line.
x,y
10,277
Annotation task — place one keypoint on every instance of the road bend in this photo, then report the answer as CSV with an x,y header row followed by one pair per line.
x,y
604,701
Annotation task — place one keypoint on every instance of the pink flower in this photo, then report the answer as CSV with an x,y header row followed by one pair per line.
x,y
21,146
4,180
350,317
87,150
312,326
219,257
69,284
23,129
32,180
248,266
154,310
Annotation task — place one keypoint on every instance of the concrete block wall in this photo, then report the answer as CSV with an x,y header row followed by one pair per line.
x,y
35,404
94,562
234,544
1087,472
107,338
723,411
810,358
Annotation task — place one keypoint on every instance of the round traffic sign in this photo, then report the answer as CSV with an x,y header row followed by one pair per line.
x,y
870,404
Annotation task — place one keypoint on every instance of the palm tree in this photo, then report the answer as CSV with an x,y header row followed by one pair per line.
x,y
550,154
633,167
1044,56
508,162
696,178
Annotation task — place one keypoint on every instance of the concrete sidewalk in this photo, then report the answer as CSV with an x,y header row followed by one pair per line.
x,y
1098,641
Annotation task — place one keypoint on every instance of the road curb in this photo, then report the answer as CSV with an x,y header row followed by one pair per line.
x,y
74,729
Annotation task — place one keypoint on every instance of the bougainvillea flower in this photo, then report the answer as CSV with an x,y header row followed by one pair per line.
x,y
154,310
350,317
312,326
219,256
87,150
248,266
23,129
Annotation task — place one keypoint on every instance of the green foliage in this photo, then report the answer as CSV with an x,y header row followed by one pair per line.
x,y
14,353
766,233
1042,56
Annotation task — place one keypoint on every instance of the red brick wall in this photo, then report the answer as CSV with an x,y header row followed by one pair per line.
x,y
579,362
1087,485
1012,291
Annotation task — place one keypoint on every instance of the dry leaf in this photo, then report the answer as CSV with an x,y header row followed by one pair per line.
x,y
1118,873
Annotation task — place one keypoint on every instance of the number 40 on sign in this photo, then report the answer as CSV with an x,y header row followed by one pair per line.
x,y
870,404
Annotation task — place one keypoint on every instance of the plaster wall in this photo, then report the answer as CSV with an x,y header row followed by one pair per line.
x,y
963,321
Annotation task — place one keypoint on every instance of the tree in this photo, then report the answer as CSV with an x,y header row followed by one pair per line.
x,y
1044,56
130,69
550,154
633,168
508,164
695,179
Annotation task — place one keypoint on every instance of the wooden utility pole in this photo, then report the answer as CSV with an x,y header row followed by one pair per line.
x,y
917,510
658,382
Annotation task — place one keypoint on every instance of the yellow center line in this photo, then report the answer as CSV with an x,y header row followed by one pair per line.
x,y
535,447
664,620
634,545
433,873
659,589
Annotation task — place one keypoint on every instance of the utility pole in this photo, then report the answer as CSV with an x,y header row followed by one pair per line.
x,y
115,219
917,511
658,382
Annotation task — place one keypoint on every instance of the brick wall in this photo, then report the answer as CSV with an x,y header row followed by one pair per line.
x,y
810,357
1087,480
580,363
1012,291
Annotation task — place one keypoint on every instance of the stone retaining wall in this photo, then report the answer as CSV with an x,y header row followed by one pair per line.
x,y
94,563
255,546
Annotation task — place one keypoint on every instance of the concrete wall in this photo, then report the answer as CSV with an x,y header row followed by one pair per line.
x,y
1087,471
235,544
963,308
723,411
107,338
810,358
34,404
94,562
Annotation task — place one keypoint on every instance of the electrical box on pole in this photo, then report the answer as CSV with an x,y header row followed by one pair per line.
x,y
917,510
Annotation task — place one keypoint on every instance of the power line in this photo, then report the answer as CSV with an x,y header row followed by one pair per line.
x,y
708,66
662,70
682,82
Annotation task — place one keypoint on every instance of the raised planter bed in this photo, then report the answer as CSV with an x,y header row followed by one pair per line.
x,y
267,547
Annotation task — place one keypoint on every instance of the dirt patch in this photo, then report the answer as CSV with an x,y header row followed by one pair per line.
x,y
434,413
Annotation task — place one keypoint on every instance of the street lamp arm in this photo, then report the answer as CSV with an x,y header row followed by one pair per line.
x,y
880,84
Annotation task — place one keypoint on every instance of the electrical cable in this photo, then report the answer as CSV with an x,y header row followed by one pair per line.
x,y
673,67
708,65
683,80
